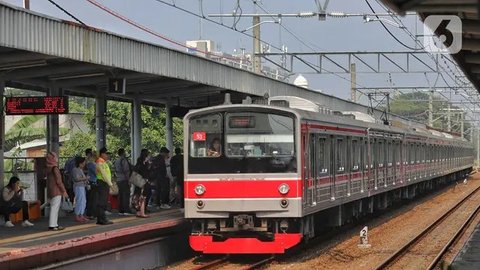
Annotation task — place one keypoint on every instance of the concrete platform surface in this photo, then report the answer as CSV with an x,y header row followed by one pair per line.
x,y
27,247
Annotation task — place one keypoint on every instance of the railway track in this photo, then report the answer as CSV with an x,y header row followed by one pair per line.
x,y
414,254
228,262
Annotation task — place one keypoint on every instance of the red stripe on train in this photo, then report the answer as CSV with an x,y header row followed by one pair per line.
x,y
359,131
243,189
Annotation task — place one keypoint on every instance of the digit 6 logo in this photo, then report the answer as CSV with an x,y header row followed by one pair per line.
x,y
442,34
445,35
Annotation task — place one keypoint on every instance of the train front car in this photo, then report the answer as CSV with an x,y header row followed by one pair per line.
x,y
242,181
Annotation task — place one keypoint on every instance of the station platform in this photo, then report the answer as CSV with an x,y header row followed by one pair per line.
x,y
36,247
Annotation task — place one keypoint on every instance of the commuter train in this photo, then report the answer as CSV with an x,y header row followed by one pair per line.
x,y
282,170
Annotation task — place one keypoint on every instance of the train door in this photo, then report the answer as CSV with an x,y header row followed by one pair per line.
x,y
305,165
323,168
312,172
365,165
341,177
380,162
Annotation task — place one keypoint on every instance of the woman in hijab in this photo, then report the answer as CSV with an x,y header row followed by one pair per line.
x,y
56,190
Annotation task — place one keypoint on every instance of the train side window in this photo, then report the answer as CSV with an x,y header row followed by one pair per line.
x,y
356,154
380,153
341,155
322,155
390,153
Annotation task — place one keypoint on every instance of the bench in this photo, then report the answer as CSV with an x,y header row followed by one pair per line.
x,y
33,212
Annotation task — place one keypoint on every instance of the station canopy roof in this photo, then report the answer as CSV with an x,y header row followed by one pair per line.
x,y
468,11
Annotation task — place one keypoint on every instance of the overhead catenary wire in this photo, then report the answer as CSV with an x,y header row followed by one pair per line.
x,y
388,30
66,12
251,36
150,31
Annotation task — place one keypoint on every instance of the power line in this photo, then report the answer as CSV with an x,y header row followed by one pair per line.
x,y
66,12
388,31
150,31
248,35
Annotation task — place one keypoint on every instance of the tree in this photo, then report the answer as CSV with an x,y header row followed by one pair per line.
x,y
415,106
118,129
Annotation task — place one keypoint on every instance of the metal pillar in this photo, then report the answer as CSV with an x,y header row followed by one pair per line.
x,y
353,82
169,127
100,124
256,44
53,136
2,135
136,133
449,119
430,109
462,124
478,146
26,4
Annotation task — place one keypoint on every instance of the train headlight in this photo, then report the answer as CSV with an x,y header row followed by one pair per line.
x,y
200,189
283,189
284,203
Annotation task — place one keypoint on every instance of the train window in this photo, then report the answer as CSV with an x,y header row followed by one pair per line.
x,y
259,135
322,155
341,155
398,153
365,155
248,142
380,153
390,153
356,155
206,136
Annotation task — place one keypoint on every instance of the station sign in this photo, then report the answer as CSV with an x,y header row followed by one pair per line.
x,y
36,105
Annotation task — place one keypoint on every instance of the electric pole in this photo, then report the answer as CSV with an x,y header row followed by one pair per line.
x,y
449,119
430,109
353,82
257,68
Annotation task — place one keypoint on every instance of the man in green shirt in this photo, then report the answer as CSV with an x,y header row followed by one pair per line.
x,y
104,179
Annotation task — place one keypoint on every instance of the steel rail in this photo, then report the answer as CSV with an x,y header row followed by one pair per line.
x,y
452,240
423,233
212,264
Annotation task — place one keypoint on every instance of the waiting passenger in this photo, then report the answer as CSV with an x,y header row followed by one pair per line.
x,y
140,194
92,193
215,148
80,181
12,201
56,190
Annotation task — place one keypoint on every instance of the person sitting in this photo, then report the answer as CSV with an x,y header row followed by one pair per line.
x,y
12,201
215,148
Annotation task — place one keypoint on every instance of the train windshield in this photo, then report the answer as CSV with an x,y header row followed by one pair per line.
x,y
247,142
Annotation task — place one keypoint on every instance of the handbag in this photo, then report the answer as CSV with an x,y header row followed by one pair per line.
x,y
137,180
114,189
66,205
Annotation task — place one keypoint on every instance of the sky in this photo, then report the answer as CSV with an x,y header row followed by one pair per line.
x,y
309,34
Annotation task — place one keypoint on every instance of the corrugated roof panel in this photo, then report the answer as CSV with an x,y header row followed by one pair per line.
x,y
34,32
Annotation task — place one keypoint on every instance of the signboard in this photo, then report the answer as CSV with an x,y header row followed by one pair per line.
x,y
117,85
36,105
199,136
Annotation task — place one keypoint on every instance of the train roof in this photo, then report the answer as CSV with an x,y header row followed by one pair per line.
x,y
308,110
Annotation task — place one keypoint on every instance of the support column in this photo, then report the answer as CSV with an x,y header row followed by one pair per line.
x,y
430,109
136,133
53,136
353,82
449,119
2,135
462,124
169,127
478,146
257,68
100,124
